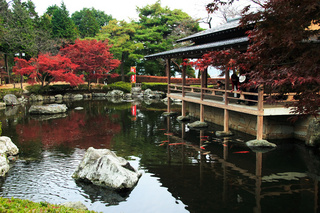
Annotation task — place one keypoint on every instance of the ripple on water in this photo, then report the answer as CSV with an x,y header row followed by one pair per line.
x,y
45,179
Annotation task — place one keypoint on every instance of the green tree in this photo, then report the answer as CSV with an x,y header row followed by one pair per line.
x,y
121,35
62,24
86,22
90,21
160,27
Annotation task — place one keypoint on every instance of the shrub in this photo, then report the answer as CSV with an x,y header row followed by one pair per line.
x,y
37,89
120,85
155,86
18,205
17,92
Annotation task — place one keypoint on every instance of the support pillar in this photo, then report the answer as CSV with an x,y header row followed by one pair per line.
x,y
226,121
260,116
168,81
201,113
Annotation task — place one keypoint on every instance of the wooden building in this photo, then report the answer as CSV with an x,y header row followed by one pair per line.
x,y
220,106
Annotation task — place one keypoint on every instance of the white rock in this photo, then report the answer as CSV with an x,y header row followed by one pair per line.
x,y
102,167
48,109
7,146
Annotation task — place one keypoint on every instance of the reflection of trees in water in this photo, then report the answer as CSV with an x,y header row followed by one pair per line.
x,y
77,129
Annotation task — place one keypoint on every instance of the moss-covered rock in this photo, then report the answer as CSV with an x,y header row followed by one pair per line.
x,y
198,125
260,145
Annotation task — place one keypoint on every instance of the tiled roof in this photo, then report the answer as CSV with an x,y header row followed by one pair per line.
x,y
230,26
198,50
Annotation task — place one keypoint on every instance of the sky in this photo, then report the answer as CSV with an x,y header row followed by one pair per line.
x,y
126,9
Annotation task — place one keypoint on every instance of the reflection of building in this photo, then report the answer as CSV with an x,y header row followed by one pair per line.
x,y
224,182
265,120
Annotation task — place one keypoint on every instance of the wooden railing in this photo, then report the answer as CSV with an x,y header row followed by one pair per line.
x,y
258,98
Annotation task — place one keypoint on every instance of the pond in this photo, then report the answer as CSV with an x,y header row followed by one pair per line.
x,y
183,170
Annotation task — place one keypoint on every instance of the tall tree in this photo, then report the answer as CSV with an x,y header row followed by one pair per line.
x,y
93,57
86,22
90,21
284,49
121,36
156,33
62,24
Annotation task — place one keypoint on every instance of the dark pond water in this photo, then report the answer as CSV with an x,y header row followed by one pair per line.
x,y
183,170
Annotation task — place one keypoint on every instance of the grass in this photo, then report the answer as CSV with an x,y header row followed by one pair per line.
x,y
17,205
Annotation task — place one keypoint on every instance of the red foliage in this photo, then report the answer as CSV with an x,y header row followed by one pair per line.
x,y
75,130
47,69
93,57
283,53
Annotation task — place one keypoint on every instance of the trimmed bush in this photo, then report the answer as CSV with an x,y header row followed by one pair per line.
x,y
120,85
17,92
155,86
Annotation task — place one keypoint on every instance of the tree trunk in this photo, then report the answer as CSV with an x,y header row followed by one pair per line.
x,y
121,67
7,66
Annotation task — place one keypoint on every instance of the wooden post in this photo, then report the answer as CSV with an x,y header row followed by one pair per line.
x,y
226,121
183,80
226,102
201,113
260,116
183,109
168,81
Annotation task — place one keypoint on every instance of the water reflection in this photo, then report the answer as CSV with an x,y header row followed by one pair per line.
x,y
184,170
239,184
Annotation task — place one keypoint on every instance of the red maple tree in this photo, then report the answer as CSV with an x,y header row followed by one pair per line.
x,y
47,68
283,54
93,57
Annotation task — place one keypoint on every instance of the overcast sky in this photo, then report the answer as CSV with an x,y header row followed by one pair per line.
x,y
125,9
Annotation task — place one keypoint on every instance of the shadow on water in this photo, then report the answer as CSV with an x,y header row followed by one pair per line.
x,y
184,170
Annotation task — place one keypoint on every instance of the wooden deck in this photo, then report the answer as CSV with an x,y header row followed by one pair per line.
x,y
252,103
215,98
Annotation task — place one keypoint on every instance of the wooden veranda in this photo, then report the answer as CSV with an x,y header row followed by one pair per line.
x,y
226,36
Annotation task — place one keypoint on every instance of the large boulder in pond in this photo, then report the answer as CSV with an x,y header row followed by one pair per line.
x,y
11,100
48,109
7,148
103,167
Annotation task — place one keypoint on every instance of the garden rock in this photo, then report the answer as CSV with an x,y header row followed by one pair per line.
x,y
102,167
198,124
34,97
135,90
7,148
99,95
2,105
115,93
58,97
4,165
77,97
11,100
183,118
166,114
313,133
75,205
260,145
223,133
48,109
